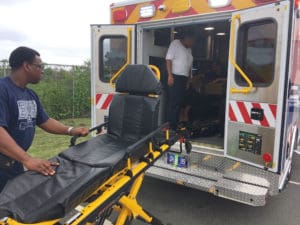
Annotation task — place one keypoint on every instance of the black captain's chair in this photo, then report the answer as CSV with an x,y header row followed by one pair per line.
x,y
133,114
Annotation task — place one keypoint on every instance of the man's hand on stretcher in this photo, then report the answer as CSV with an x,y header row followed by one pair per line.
x,y
11,149
53,126
44,167
79,131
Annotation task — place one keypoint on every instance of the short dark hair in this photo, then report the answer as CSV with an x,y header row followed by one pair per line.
x,y
188,33
21,55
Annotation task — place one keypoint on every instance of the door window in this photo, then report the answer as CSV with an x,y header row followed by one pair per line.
x,y
113,56
256,52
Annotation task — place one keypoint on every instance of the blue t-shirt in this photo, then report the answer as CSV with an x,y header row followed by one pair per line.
x,y
20,112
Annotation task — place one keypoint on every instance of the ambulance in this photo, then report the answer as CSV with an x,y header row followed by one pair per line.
x,y
245,152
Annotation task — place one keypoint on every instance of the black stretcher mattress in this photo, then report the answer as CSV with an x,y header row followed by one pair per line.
x,y
32,197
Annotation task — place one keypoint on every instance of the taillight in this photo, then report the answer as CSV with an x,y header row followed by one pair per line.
x,y
297,4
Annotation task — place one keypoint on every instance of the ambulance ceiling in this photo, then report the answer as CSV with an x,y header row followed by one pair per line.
x,y
211,28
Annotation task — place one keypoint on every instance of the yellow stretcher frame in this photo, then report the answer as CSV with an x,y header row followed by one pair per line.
x,y
127,206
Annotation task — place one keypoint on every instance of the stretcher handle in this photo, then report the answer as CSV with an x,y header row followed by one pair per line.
x,y
146,139
156,70
97,128
234,90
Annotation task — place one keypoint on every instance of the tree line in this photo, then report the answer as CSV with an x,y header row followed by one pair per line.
x,y
64,91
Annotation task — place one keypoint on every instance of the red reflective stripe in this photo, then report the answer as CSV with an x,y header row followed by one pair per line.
x,y
107,102
98,97
120,15
263,122
273,110
244,112
130,9
231,114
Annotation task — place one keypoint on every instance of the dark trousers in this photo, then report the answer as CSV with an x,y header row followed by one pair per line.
x,y
176,98
9,173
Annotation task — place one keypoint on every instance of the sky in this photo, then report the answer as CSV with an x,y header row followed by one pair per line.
x,y
58,29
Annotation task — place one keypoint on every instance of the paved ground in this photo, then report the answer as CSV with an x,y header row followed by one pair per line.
x,y
179,205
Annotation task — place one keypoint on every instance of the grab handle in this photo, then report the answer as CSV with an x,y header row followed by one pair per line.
x,y
234,90
155,70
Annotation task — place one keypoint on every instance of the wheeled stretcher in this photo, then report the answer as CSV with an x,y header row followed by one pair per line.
x,y
102,174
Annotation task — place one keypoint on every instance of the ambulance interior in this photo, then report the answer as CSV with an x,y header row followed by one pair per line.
x,y
204,107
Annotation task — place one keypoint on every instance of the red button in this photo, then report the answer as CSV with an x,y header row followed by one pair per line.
x,y
267,157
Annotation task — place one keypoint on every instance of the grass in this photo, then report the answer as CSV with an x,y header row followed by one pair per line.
x,y
47,145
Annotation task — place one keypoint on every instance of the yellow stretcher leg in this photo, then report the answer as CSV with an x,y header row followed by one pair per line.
x,y
130,207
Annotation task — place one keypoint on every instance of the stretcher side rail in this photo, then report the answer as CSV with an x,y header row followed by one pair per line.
x,y
146,139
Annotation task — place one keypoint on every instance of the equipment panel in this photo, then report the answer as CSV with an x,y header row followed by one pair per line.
x,y
250,142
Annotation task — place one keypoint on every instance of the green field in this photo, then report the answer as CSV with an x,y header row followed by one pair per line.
x,y
46,145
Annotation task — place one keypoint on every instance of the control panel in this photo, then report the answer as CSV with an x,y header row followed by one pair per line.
x,y
250,142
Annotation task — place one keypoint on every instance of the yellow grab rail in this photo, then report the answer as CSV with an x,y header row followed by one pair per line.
x,y
116,75
233,90
155,70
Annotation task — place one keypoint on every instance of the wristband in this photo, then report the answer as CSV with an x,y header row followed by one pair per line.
x,y
69,130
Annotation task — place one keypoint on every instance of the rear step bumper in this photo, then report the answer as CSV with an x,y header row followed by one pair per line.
x,y
250,187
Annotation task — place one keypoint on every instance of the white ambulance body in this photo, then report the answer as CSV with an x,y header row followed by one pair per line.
x,y
258,43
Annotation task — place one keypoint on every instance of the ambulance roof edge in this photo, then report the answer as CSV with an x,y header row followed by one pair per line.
x,y
129,2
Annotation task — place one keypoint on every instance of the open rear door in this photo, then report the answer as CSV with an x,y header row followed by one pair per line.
x,y
256,81
113,48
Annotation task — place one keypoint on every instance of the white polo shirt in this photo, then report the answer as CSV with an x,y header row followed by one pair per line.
x,y
181,58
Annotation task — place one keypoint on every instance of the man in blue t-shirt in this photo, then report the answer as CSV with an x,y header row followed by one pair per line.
x,y
20,112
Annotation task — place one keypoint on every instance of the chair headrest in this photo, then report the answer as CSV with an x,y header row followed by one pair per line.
x,y
138,79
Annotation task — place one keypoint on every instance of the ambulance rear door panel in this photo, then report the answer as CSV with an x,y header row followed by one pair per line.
x,y
113,47
253,120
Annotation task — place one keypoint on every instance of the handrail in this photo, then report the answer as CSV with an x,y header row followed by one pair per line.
x,y
233,90
155,70
116,75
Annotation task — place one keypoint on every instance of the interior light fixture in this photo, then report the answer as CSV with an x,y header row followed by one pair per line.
x,y
209,28
221,34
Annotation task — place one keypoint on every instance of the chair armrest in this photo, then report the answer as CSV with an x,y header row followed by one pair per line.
x,y
146,139
97,128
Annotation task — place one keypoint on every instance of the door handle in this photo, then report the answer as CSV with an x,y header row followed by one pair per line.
x,y
234,90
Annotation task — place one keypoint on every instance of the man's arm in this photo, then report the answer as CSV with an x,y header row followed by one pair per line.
x,y
11,149
55,127
169,70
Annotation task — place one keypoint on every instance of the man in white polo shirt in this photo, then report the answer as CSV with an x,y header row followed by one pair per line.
x,y
179,62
